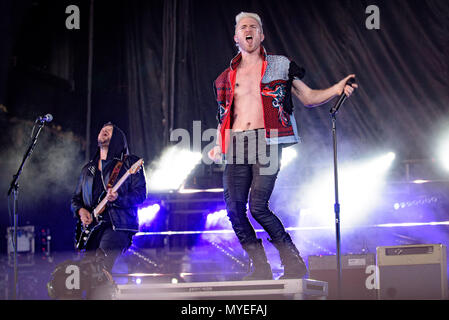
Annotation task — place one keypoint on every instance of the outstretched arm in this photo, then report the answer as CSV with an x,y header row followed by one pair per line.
x,y
313,98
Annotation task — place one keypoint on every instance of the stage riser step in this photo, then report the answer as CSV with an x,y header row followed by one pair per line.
x,y
259,289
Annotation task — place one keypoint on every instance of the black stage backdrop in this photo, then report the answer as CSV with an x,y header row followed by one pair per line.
x,y
153,67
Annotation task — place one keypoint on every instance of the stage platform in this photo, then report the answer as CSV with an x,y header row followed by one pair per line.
x,y
294,289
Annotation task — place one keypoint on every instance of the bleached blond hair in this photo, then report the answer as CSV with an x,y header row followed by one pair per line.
x,y
242,15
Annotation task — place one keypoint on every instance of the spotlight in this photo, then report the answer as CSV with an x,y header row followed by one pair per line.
x,y
217,218
443,153
360,186
391,156
288,155
420,181
147,214
172,169
382,163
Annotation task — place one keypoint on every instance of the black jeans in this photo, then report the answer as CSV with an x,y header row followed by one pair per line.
x,y
249,178
111,243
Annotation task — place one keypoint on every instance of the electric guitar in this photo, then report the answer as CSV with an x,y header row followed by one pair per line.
x,y
83,233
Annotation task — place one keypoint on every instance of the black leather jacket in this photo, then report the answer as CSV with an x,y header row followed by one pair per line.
x,y
123,211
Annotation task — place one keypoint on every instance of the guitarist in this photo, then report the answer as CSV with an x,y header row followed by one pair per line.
x,y
119,219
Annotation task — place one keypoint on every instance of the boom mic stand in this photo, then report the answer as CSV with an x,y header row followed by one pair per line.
x,y
333,113
14,188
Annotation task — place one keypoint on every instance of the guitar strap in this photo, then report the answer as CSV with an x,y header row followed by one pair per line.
x,y
115,173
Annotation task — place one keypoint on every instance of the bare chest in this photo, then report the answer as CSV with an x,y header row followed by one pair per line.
x,y
247,111
248,82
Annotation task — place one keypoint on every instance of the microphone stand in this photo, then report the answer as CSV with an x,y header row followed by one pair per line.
x,y
337,204
333,113
14,188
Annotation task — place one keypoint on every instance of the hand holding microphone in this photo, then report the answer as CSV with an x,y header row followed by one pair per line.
x,y
349,86
346,87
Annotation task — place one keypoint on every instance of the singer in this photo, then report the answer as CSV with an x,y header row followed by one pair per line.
x,y
254,105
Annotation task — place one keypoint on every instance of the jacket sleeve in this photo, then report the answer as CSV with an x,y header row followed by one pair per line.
x,y
218,116
136,192
77,197
295,72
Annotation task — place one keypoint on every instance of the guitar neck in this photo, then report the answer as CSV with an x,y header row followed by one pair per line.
x,y
103,202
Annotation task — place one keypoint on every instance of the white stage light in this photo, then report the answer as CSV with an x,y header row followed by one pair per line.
x,y
443,153
360,186
217,218
147,214
288,154
172,169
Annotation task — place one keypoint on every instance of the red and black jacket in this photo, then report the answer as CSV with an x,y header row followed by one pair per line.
x,y
278,73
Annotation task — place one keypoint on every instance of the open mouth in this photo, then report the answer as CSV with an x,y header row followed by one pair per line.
x,y
249,39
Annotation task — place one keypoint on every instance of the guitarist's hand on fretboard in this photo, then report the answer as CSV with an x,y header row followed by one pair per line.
x,y
85,216
111,195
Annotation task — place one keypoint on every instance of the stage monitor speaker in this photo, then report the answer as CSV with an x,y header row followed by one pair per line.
x,y
410,272
355,274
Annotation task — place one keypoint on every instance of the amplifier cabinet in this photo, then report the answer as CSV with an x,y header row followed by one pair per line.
x,y
410,272
25,245
356,270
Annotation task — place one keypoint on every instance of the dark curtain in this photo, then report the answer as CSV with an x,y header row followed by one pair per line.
x,y
143,53
154,63
402,68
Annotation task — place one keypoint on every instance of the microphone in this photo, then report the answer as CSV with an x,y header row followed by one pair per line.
x,y
342,98
47,118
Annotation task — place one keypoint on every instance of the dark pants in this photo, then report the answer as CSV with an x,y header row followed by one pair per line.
x,y
111,243
249,178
